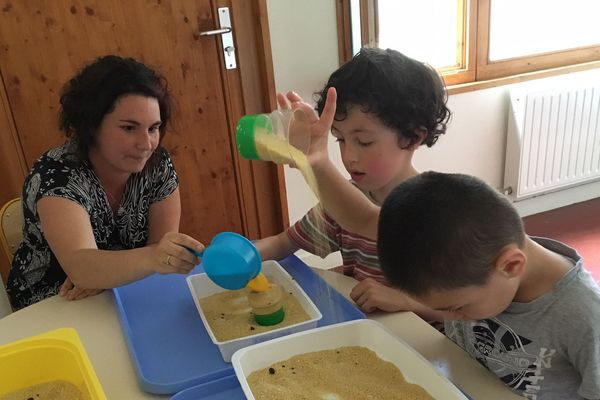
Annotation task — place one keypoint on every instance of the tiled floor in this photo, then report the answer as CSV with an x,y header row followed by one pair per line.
x,y
577,225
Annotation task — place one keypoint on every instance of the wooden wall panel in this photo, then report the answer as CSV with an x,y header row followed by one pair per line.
x,y
42,44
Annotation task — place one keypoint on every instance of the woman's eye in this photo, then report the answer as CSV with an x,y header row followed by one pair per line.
x,y
128,128
364,144
155,129
339,140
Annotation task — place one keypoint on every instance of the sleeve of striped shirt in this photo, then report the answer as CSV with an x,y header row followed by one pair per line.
x,y
316,232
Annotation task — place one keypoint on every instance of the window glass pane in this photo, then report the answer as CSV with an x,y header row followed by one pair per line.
x,y
355,22
426,30
527,27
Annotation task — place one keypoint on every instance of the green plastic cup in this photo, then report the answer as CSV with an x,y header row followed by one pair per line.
x,y
286,132
245,134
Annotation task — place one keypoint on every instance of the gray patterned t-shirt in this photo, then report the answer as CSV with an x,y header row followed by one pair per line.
x,y
548,348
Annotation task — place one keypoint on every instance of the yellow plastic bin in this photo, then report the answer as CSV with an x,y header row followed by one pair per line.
x,y
53,356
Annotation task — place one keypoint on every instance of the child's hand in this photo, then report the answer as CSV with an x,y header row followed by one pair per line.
x,y
285,101
320,127
371,295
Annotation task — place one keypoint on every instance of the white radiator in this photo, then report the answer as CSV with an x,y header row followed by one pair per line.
x,y
553,140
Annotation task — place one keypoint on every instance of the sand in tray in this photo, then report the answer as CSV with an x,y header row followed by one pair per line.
x,y
348,373
53,390
229,314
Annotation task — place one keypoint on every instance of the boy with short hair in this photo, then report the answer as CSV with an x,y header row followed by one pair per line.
x,y
524,307
388,105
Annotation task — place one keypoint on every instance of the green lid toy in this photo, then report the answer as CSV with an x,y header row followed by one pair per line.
x,y
267,306
245,134
270,319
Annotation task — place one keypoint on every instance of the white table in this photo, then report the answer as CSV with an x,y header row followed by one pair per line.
x,y
96,321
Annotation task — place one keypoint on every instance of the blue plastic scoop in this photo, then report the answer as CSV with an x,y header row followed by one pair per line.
x,y
230,260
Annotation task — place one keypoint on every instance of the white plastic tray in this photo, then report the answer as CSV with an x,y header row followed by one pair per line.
x,y
201,286
366,333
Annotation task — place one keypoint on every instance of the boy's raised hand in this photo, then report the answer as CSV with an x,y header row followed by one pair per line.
x,y
357,213
284,101
320,127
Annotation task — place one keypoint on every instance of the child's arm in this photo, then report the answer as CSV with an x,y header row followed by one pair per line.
x,y
371,295
276,247
344,202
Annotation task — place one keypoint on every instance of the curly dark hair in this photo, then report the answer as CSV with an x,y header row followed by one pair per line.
x,y
405,94
444,231
92,94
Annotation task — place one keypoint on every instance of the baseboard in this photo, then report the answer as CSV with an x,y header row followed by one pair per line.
x,y
550,201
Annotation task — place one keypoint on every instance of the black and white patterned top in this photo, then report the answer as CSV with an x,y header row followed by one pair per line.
x,y
35,273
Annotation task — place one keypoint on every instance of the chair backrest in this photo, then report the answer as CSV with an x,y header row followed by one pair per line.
x,y
11,227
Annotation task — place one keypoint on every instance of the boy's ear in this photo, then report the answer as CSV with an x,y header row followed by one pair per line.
x,y
422,134
511,261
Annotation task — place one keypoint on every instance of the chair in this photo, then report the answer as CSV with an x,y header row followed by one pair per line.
x,y
11,224
11,234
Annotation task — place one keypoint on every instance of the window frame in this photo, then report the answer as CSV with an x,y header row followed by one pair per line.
x,y
473,70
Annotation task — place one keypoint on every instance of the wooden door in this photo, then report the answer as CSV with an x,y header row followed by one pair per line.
x,y
42,44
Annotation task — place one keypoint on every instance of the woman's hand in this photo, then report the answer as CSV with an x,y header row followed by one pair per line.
x,y
70,292
172,254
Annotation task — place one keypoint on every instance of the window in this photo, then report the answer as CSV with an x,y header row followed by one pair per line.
x,y
496,41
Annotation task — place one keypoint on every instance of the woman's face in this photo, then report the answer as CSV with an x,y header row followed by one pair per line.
x,y
127,136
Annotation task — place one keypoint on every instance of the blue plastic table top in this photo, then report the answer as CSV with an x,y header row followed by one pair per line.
x,y
168,345
227,388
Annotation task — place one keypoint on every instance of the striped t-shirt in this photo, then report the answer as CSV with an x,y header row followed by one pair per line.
x,y
319,234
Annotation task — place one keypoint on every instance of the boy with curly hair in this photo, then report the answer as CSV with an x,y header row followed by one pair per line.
x,y
388,105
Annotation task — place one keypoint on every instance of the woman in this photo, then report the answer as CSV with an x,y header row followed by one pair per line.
x,y
103,209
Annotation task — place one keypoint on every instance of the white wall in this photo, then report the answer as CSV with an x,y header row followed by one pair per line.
x,y
305,53
475,142
304,41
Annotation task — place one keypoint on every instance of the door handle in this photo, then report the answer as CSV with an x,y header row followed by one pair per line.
x,y
221,31
226,37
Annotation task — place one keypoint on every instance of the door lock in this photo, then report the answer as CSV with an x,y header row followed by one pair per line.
x,y
226,37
